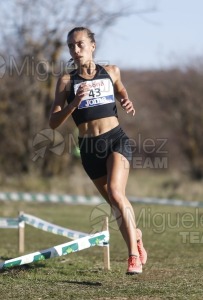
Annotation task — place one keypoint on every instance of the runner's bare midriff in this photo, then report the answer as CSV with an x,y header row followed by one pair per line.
x,y
97,127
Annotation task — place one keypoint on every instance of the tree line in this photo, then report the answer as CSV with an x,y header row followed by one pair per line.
x,y
169,114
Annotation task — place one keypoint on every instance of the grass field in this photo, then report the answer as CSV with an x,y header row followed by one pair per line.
x,y
173,238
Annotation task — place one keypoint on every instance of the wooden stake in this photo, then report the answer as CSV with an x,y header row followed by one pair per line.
x,y
106,249
21,233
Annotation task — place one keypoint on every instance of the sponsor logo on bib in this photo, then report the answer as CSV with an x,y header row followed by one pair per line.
x,y
100,92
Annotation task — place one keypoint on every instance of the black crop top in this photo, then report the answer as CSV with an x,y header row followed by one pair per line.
x,y
100,103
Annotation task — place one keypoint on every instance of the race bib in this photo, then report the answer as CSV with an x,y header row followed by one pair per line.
x,y
100,92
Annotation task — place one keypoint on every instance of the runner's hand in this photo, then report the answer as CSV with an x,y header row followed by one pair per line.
x,y
80,94
127,105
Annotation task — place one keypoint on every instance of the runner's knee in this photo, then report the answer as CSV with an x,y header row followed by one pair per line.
x,y
115,196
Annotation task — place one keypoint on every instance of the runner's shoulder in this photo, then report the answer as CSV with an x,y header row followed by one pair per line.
x,y
112,68
113,71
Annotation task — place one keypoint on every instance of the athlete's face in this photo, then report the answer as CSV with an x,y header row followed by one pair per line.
x,y
81,48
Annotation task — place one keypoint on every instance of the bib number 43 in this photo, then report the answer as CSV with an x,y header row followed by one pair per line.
x,y
94,93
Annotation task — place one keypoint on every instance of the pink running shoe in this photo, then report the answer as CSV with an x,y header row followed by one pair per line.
x,y
134,265
141,249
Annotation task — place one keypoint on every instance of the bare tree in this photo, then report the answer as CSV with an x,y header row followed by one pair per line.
x,y
179,96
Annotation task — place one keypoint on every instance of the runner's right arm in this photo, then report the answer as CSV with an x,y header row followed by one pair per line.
x,y
59,112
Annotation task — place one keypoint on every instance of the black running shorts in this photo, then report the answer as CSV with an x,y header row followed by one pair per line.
x,y
95,150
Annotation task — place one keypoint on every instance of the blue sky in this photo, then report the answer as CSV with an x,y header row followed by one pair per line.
x,y
171,35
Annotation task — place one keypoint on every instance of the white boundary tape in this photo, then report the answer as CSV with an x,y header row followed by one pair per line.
x,y
49,227
9,223
63,249
52,198
169,202
71,199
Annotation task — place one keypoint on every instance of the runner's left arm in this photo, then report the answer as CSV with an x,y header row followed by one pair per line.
x,y
121,93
